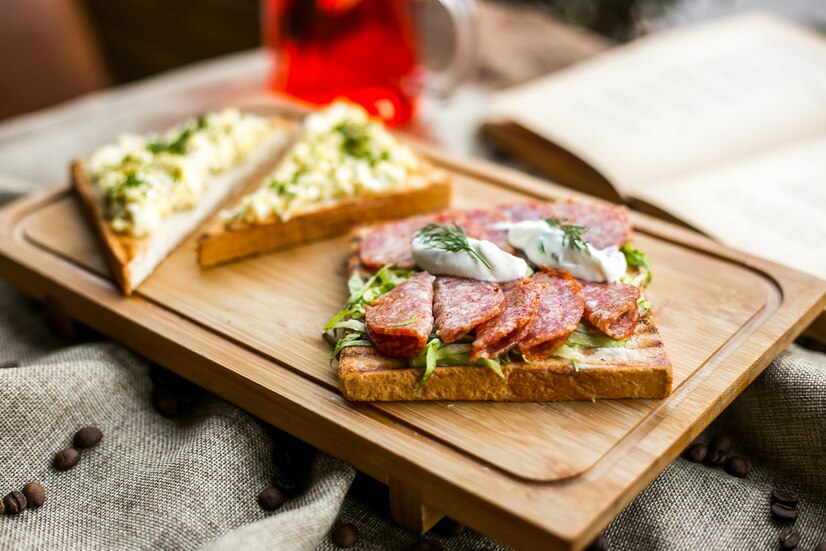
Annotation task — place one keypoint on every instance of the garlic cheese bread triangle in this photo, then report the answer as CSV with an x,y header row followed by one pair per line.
x,y
145,194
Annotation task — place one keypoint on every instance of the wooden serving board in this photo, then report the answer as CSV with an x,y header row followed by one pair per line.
x,y
532,475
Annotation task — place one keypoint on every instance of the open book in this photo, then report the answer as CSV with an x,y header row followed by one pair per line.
x,y
721,126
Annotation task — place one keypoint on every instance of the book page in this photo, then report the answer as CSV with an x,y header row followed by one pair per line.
x,y
682,100
772,206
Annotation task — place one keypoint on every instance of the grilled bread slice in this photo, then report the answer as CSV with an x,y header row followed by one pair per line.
x,y
132,259
640,370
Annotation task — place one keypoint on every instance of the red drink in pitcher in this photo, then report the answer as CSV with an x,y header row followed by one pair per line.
x,y
364,50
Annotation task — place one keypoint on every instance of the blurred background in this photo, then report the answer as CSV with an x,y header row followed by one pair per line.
x,y
54,50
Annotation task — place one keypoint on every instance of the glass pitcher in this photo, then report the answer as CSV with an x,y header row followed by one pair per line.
x,y
367,51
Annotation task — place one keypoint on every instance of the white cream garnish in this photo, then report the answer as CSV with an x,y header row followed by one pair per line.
x,y
437,261
546,246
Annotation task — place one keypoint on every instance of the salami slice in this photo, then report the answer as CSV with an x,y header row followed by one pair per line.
x,y
399,322
612,308
497,335
482,224
607,225
526,211
560,309
389,243
460,304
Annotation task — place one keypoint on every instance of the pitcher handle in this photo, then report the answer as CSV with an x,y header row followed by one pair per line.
x,y
463,13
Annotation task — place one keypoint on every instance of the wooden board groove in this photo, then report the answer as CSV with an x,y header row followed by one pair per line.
x,y
528,503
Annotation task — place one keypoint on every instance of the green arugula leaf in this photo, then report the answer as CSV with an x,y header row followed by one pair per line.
x,y
430,355
637,258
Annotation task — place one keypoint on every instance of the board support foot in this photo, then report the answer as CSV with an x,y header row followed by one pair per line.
x,y
407,508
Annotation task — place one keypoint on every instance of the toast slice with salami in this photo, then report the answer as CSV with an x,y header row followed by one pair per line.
x,y
346,169
639,370
549,336
144,195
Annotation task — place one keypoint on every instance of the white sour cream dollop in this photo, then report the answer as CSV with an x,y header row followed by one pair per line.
x,y
543,245
504,266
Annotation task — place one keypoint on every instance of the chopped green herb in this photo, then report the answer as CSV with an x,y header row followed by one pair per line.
x,y
132,180
178,145
571,235
356,142
449,238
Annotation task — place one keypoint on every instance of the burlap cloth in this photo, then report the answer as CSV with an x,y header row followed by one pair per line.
x,y
192,481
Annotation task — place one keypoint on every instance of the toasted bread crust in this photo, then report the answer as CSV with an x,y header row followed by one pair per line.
x,y
118,250
220,244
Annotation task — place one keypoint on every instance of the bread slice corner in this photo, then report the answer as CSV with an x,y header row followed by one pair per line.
x,y
118,250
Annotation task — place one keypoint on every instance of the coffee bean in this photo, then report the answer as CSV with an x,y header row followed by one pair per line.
x,y
287,483
159,376
820,546
696,453
718,450
14,502
35,494
345,535
783,512
784,497
721,443
715,457
789,538
187,395
87,437
599,544
66,459
270,499
449,527
737,466
165,401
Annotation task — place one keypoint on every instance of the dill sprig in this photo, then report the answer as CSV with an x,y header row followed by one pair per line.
x,y
571,235
449,238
